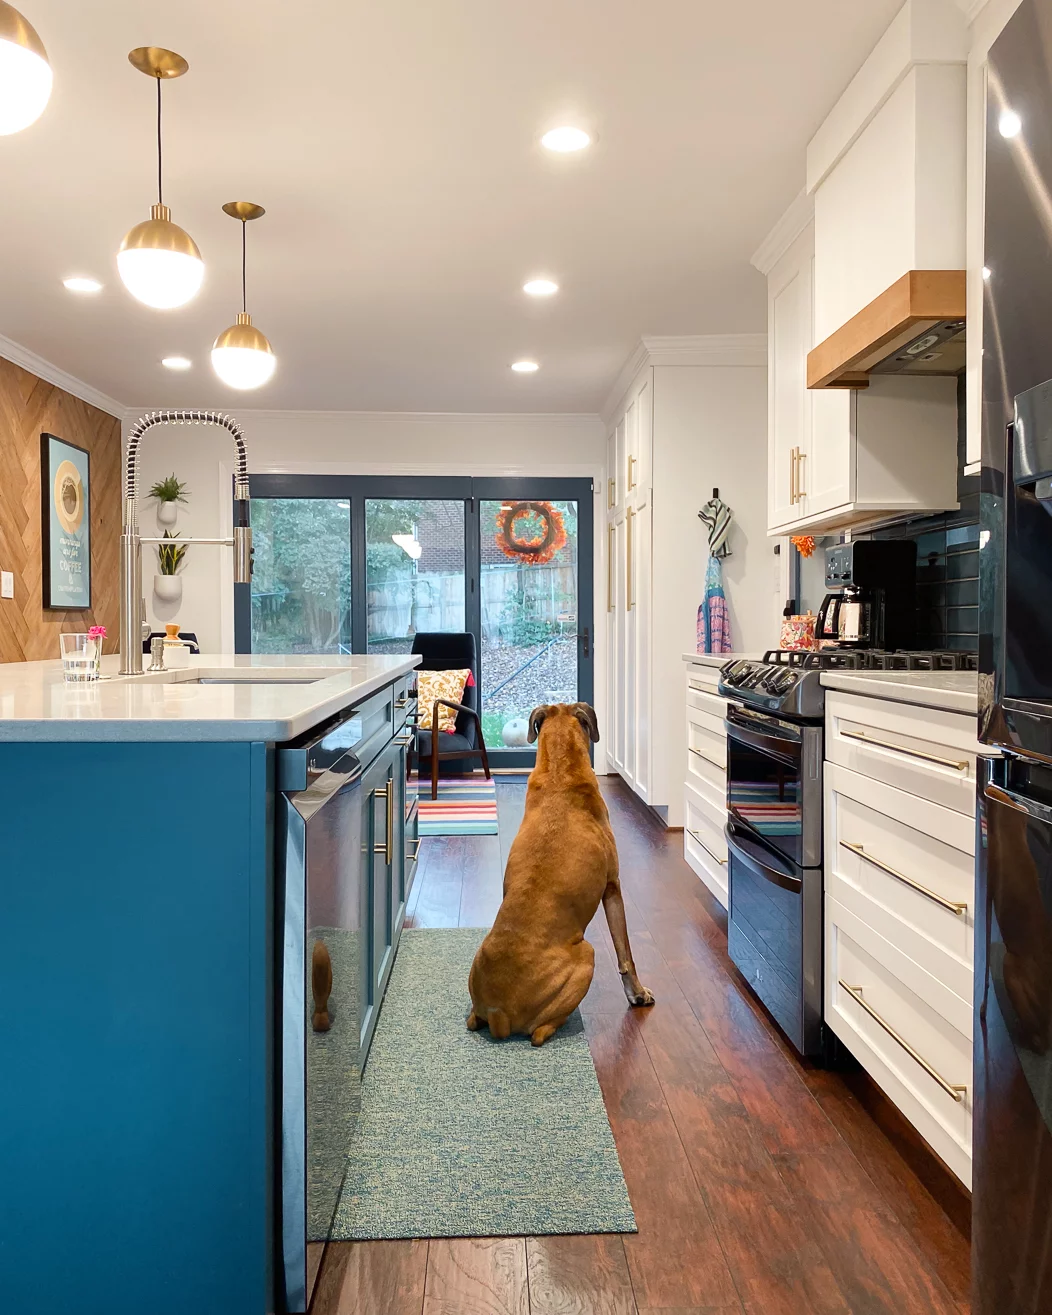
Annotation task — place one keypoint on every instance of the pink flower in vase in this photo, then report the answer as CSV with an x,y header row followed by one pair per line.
x,y
96,632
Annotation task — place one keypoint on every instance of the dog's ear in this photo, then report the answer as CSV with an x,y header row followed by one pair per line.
x,y
585,714
537,717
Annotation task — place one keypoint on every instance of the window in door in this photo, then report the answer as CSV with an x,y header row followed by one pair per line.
x,y
301,578
530,613
414,569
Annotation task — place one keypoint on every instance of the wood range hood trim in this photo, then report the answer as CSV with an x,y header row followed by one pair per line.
x,y
920,299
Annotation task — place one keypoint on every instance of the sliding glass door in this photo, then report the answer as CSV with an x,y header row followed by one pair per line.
x,y
362,564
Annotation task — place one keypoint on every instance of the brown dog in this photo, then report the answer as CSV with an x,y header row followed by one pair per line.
x,y
535,966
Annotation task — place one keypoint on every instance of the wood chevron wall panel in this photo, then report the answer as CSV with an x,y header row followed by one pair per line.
x,y
28,408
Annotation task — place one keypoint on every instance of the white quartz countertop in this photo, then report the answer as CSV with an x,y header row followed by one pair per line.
x,y
718,659
268,697
953,691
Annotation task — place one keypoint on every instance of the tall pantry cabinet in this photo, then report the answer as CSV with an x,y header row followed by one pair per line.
x,y
629,584
690,415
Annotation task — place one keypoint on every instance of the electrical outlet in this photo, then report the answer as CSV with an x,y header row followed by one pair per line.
x,y
7,584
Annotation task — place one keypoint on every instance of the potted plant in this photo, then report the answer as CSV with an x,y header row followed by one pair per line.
x,y
167,584
167,493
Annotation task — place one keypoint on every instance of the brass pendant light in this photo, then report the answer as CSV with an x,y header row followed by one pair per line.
x,y
25,74
159,262
241,355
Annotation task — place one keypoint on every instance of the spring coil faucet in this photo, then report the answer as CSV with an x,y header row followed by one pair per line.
x,y
134,628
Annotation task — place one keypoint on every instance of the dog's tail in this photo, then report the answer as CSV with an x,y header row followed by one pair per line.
x,y
499,1026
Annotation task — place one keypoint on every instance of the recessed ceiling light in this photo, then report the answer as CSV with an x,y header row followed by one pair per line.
x,y
566,139
82,285
525,367
176,362
540,287
1009,124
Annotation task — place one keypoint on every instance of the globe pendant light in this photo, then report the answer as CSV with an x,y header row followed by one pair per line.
x,y
25,74
159,262
241,355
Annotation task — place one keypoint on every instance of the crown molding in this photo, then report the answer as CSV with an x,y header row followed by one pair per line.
x,y
246,415
51,374
714,349
785,232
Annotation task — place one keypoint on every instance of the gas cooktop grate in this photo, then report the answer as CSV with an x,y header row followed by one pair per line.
x,y
861,659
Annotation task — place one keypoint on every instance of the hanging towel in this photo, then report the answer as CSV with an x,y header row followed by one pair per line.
x,y
717,516
714,624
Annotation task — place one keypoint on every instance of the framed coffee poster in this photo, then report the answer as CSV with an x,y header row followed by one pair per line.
x,y
65,490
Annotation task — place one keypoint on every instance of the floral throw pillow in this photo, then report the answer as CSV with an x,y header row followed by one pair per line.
x,y
433,685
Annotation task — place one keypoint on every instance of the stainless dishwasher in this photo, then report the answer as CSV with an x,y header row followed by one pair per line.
x,y
322,908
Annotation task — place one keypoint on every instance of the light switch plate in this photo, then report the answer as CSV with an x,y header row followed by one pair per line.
x,y
7,584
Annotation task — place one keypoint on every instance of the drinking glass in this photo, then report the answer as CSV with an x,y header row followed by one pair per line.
x,y
80,657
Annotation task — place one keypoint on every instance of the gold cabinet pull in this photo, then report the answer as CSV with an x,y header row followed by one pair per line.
x,y
957,1093
387,848
611,494
792,476
417,841
611,553
943,903
902,748
801,492
632,463
630,601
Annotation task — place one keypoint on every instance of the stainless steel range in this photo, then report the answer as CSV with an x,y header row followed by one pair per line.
x,y
774,829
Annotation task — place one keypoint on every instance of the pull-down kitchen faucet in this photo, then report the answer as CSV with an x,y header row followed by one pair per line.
x,y
134,627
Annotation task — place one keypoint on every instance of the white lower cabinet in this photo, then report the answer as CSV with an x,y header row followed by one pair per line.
x,y
899,862
705,787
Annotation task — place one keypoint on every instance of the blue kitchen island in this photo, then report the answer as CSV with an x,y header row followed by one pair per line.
x,y
144,961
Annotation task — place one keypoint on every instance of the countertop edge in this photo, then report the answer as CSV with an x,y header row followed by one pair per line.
x,y
88,730
863,683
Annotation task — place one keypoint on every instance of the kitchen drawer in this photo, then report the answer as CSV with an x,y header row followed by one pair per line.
x,y
706,744
915,1054
924,751
714,705
707,777
907,868
704,844
707,719
703,676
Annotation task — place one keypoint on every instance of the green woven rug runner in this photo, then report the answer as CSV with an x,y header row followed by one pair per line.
x,y
463,1136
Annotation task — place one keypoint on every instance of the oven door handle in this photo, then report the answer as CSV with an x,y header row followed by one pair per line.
x,y
785,750
734,835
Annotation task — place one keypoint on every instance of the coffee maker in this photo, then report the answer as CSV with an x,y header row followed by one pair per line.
x,y
872,598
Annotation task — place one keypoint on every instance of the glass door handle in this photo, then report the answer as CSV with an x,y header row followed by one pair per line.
x,y
584,637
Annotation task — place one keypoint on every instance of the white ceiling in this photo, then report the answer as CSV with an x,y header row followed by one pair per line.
x,y
394,144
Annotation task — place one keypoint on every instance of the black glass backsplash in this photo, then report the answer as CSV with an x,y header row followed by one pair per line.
x,y
947,577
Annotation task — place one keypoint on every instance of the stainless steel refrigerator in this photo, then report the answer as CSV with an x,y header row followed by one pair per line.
x,y
1012,1169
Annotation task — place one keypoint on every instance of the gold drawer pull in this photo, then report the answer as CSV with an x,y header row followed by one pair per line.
x,y
694,836
901,748
954,907
958,1093
415,853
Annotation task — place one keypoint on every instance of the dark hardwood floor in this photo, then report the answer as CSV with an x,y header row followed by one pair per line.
x,y
761,1185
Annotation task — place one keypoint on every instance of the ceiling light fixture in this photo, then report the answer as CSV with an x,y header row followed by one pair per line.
x,y
566,139
82,285
241,355
159,262
540,287
25,74
1009,124
176,362
525,367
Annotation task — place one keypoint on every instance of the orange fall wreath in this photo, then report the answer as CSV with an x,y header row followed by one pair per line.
x,y
539,547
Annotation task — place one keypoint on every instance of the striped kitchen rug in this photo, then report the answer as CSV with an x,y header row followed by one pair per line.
x,y
466,806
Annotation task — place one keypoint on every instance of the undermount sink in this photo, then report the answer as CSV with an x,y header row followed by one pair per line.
x,y
246,680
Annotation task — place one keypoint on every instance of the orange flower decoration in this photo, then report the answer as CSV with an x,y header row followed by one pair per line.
x,y
804,545
540,546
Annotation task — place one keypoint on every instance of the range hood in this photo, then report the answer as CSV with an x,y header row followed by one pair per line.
x,y
916,327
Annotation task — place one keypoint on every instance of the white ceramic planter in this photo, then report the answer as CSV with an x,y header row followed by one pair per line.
x,y
167,513
168,588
